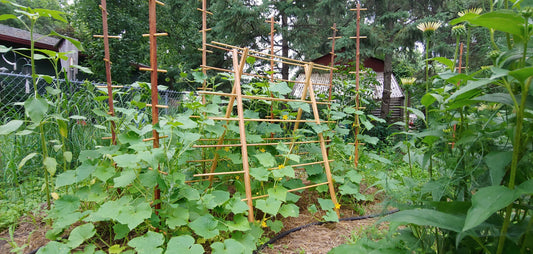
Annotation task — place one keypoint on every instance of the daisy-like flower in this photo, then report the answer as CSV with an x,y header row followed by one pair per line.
x,y
471,10
408,81
285,117
428,28
337,206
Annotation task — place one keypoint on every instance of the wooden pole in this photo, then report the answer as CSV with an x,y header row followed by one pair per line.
x,y
308,72
153,80
105,36
357,81
332,61
242,131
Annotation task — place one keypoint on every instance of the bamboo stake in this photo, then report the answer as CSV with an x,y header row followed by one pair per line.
x,y
308,72
240,111
259,97
257,144
265,120
291,190
219,173
318,66
332,61
105,36
260,76
302,164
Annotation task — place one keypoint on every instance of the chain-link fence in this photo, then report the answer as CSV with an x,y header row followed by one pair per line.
x,y
81,97
68,99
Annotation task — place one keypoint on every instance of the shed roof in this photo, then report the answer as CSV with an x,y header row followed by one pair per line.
x,y
19,36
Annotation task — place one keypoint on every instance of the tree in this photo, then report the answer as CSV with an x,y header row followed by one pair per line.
x,y
306,25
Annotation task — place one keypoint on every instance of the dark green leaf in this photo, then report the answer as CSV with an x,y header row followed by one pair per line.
x,y
487,201
497,161
427,217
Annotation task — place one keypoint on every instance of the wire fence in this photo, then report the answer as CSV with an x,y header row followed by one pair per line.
x,y
68,99
80,96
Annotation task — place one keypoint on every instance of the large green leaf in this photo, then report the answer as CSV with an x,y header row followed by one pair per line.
x,y
522,74
427,217
50,164
469,87
278,192
54,247
280,88
269,205
205,226
10,127
229,246
503,98
148,243
289,210
36,109
239,223
80,234
502,20
266,159
183,244
487,201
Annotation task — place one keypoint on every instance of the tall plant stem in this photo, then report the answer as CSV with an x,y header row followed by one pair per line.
x,y
45,155
427,78
467,55
514,162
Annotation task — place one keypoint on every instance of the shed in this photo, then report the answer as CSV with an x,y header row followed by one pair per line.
x,y
18,38
377,65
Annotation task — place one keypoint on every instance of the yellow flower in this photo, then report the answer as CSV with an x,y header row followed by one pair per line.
x,y
472,10
262,150
281,166
408,81
237,178
337,206
428,28
263,223
285,117
226,148
54,195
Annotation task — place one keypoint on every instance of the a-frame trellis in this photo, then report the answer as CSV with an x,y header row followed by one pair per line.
x,y
239,56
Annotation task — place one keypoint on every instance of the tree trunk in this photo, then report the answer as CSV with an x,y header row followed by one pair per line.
x,y
284,48
387,77
387,80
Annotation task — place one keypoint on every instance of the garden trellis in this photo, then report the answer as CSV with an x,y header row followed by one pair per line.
x,y
237,96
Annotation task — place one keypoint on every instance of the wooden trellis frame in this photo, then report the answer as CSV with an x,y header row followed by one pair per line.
x,y
357,38
105,35
236,98
153,69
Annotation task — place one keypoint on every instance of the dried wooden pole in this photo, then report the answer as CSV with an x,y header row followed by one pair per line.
x,y
107,61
